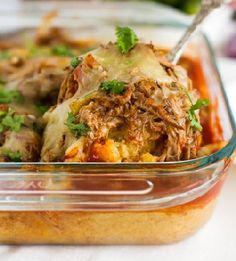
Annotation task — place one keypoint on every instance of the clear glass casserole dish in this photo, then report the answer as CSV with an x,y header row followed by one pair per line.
x,y
109,203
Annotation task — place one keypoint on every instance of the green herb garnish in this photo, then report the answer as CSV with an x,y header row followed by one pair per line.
x,y
12,155
126,38
4,55
61,50
199,104
75,61
10,120
79,129
192,116
8,96
114,86
41,108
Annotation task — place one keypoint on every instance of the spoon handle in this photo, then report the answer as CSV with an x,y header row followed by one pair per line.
x,y
206,8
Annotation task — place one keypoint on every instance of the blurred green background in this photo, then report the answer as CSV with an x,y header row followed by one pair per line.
x,y
189,6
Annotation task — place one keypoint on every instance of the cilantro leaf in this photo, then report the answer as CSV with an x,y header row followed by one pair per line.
x,y
194,121
61,50
13,155
199,104
114,86
8,96
79,129
75,61
126,38
191,113
11,121
4,55
41,108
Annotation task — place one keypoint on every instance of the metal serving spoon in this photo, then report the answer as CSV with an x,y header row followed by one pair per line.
x,y
206,8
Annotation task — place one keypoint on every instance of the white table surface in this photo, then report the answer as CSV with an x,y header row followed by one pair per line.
x,y
215,241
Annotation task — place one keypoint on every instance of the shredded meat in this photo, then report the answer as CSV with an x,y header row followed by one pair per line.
x,y
37,78
148,121
135,117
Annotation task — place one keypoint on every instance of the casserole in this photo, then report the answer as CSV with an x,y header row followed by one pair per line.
x,y
119,203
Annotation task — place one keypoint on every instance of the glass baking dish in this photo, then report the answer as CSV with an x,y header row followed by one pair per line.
x,y
123,203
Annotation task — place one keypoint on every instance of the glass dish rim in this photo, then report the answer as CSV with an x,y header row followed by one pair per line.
x,y
200,162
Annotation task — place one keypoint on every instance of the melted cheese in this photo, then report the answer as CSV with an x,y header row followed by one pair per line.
x,y
57,137
139,63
